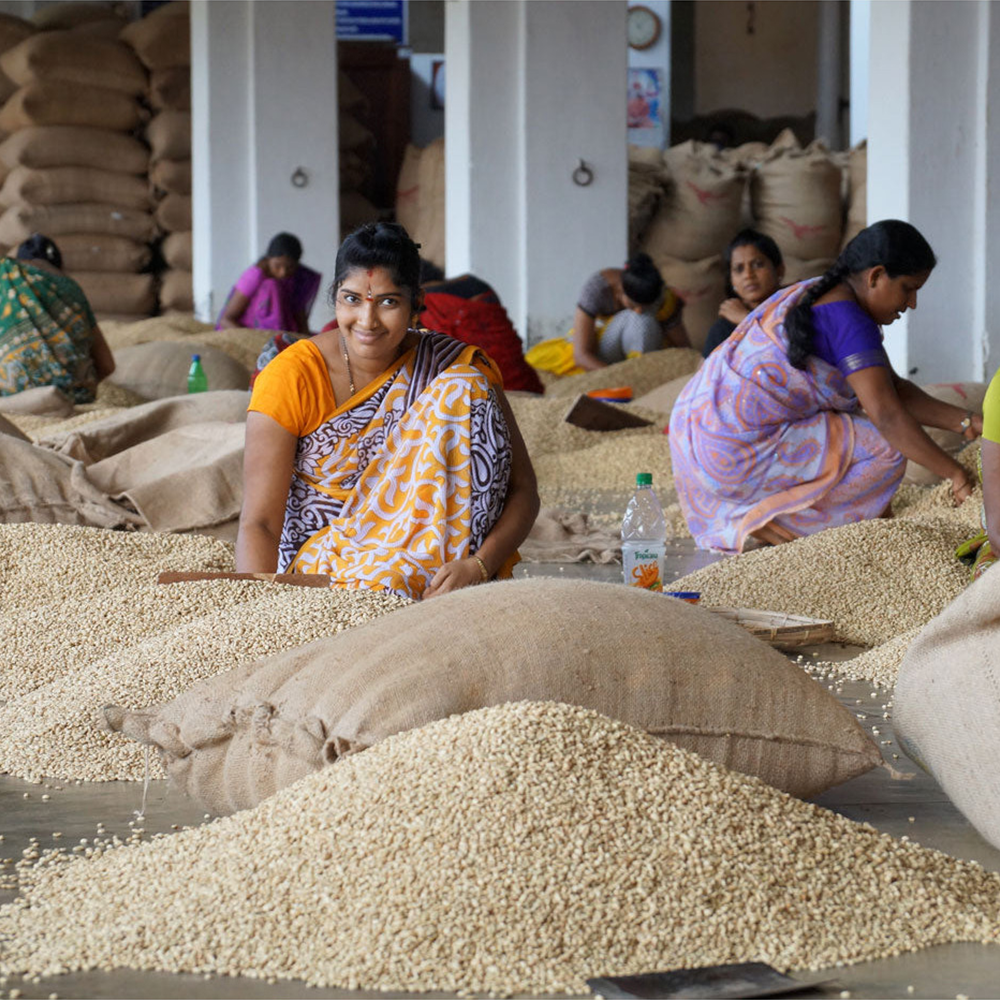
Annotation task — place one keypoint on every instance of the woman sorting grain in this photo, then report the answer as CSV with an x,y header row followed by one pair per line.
x,y
382,455
769,439
621,313
48,333
756,269
276,293
982,551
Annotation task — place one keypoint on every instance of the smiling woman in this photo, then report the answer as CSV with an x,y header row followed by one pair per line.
x,y
797,422
379,454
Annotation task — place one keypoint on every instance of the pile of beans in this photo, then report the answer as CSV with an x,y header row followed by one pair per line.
x,y
641,374
515,849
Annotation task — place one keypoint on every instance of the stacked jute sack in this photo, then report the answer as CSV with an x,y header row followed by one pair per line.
x,y
420,198
687,203
73,168
357,142
161,41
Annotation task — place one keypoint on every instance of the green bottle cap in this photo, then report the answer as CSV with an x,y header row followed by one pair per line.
x,y
644,479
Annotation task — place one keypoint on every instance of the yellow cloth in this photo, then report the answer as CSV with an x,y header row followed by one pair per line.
x,y
991,411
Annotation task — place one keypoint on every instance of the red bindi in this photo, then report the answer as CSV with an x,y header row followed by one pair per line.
x,y
371,271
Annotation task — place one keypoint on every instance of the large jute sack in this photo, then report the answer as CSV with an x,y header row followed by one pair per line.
x,y
170,89
799,270
171,176
702,286
11,430
70,104
169,135
700,209
74,146
160,369
356,209
132,294
349,96
39,485
75,58
162,39
965,395
173,214
71,14
645,189
352,134
109,28
177,251
430,224
45,401
177,291
19,221
662,398
13,31
946,705
354,170
72,186
675,670
796,201
408,190
101,252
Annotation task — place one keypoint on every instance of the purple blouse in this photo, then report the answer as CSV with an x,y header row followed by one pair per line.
x,y
847,337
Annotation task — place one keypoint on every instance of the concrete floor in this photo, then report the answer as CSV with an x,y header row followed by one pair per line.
x,y
913,806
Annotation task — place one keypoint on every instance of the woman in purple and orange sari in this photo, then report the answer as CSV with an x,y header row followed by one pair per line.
x,y
797,422
276,293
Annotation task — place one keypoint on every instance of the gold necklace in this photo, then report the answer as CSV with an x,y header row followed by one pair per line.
x,y
347,361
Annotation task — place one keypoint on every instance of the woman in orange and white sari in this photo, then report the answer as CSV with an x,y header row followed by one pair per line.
x,y
381,455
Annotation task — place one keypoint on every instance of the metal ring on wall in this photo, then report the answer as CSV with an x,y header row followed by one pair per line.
x,y
300,178
583,176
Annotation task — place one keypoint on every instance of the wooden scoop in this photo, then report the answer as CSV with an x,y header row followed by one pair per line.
x,y
292,579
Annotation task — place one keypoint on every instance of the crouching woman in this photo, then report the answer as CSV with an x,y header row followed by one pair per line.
x,y
384,456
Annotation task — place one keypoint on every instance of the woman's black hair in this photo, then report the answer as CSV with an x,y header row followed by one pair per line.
x,y
751,238
285,245
39,247
380,244
641,280
896,246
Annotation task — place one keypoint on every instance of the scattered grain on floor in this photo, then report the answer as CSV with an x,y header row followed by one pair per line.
x,y
641,374
611,463
516,849
879,665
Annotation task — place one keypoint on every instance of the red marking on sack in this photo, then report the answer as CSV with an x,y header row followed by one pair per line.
x,y
705,196
409,192
799,231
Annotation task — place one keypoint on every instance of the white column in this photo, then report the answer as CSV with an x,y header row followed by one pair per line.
x,y
533,88
828,72
264,104
861,15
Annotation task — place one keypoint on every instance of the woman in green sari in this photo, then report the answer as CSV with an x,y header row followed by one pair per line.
x,y
48,333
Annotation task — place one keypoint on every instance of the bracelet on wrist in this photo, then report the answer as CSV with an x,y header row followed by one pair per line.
x,y
484,572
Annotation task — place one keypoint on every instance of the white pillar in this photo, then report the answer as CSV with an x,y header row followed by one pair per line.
x,y
861,15
533,87
264,105
828,73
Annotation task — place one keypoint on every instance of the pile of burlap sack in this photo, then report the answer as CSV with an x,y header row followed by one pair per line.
x,y
420,198
357,145
687,202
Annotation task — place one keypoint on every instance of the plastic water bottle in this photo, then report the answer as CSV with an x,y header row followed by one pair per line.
x,y
197,382
644,537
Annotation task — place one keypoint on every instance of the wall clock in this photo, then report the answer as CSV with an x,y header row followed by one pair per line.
x,y
644,27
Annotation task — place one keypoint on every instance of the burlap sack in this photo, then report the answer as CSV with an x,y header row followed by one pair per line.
x,y
69,14
965,395
68,146
702,286
39,485
162,39
799,270
45,401
70,104
356,209
673,669
645,189
352,135
408,190
11,430
169,135
946,706
109,28
73,186
349,96
700,210
170,89
100,252
171,176
430,223
747,155
662,398
13,31
796,201
19,221
173,214
354,170
7,89
177,251
177,291
74,58
160,369
134,294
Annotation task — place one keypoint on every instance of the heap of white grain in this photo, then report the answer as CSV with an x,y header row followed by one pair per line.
x,y
515,849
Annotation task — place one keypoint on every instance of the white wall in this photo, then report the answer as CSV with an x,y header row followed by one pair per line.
x,y
860,46
264,103
532,88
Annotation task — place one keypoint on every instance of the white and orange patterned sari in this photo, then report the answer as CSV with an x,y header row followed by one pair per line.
x,y
406,475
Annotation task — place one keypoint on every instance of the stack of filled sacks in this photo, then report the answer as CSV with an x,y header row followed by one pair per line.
x,y
356,141
13,31
420,198
856,178
75,172
162,42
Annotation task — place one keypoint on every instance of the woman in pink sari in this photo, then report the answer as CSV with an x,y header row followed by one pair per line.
x,y
797,422
276,293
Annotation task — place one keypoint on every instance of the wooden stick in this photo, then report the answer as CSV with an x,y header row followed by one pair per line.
x,y
291,579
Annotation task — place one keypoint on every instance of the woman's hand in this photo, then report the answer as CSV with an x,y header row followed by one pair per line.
x,y
454,576
734,311
962,486
975,428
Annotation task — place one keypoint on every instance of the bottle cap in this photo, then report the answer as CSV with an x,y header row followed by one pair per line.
x,y
196,357
644,479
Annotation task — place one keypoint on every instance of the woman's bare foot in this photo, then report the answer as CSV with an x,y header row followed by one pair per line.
x,y
773,534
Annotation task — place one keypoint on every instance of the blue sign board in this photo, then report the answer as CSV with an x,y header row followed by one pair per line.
x,y
371,20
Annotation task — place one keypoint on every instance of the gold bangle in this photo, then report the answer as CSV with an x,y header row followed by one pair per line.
x,y
482,569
